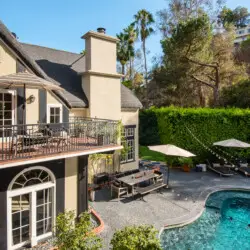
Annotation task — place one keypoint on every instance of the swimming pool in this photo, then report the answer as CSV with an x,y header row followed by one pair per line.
x,y
225,224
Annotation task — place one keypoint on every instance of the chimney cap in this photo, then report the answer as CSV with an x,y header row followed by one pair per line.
x,y
101,30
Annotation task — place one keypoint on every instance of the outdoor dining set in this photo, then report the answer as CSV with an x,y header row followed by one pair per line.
x,y
138,182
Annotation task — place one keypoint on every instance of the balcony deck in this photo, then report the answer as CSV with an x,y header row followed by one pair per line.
x,y
22,143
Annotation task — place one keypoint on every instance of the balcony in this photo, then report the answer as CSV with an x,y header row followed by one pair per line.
x,y
20,142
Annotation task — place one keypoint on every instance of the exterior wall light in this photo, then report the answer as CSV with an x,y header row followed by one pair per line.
x,y
30,99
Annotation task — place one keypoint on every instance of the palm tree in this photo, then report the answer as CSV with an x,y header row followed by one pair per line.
x,y
144,21
131,36
122,51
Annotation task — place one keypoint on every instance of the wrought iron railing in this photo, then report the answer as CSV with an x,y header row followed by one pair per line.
x,y
32,140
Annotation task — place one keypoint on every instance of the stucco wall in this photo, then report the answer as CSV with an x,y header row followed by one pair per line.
x,y
101,56
71,165
7,61
131,117
104,94
78,113
32,109
51,99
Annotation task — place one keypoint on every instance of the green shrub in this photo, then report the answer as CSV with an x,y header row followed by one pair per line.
x,y
72,235
171,125
136,238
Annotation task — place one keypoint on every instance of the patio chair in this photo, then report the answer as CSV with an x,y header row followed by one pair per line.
x,y
116,187
159,177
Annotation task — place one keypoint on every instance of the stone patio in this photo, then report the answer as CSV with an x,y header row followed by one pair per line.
x,y
182,203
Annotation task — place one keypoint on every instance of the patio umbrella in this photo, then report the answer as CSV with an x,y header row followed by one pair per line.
x,y
232,143
25,79
171,150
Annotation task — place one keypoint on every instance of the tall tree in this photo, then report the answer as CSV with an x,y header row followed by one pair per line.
x,y
122,51
144,21
238,17
194,53
131,36
182,10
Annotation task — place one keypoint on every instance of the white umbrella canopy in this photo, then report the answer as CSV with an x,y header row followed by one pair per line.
x,y
232,143
172,150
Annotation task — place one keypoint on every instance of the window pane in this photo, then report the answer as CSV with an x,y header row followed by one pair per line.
x,y
1,96
48,226
25,204
39,213
57,119
25,217
25,233
7,106
7,97
52,120
48,210
39,228
52,111
16,220
16,206
16,236
40,197
57,111
7,115
7,122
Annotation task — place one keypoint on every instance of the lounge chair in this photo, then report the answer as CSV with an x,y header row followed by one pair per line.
x,y
244,169
224,171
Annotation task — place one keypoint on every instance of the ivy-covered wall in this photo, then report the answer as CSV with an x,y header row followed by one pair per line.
x,y
180,126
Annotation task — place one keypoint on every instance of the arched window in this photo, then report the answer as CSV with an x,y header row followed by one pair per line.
x,y
30,207
31,177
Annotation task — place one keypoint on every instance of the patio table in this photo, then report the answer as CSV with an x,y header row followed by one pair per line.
x,y
134,179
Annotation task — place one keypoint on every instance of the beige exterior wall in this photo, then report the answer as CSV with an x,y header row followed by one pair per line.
x,y
7,61
51,99
32,109
104,96
78,113
71,183
131,117
101,56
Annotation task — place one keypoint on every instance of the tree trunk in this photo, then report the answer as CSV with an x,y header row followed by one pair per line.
x,y
146,71
216,96
201,96
123,72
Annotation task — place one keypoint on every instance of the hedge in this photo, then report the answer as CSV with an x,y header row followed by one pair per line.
x,y
171,125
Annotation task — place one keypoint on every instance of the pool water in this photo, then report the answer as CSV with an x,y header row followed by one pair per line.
x,y
225,224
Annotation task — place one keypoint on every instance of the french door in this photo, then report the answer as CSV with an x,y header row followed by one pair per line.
x,y
32,213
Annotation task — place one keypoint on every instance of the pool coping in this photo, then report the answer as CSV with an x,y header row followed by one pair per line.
x,y
199,207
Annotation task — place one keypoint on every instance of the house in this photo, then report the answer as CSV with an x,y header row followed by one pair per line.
x,y
242,34
56,109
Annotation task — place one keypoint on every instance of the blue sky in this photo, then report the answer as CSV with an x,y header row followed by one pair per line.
x,y
60,23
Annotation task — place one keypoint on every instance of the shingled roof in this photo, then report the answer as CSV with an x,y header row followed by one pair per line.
x,y
61,67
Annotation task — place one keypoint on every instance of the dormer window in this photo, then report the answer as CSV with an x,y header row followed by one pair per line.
x,y
54,113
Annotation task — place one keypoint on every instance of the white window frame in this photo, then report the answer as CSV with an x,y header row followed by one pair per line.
x,y
129,135
54,106
13,107
31,190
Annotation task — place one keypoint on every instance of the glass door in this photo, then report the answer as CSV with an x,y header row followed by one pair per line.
x,y
21,219
44,212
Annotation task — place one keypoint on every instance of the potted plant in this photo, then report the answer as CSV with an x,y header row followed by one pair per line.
x,y
186,163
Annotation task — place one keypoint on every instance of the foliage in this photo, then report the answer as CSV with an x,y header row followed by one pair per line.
x,y
144,21
123,50
182,11
136,238
146,154
172,126
71,235
237,17
194,56
237,95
